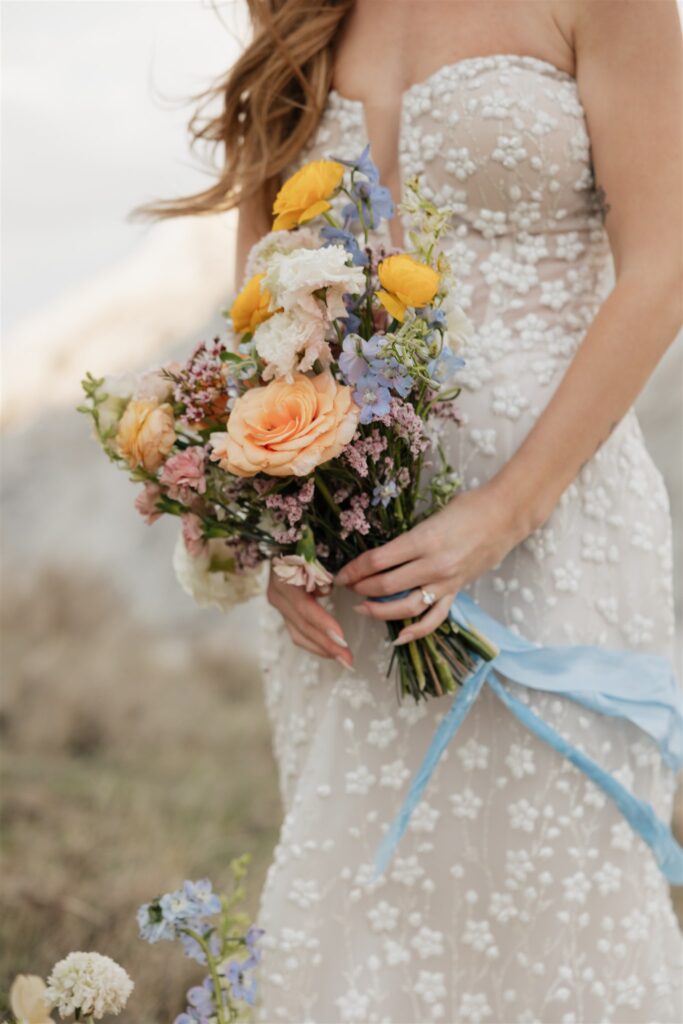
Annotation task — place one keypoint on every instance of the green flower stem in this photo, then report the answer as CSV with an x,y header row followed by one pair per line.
x,y
322,487
220,1016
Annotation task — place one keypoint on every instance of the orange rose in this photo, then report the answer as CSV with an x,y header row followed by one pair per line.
x,y
146,433
286,429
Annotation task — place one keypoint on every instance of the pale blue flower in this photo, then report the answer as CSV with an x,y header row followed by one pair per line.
x,y
362,165
372,396
394,374
383,493
348,240
444,367
242,987
374,201
202,897
152,924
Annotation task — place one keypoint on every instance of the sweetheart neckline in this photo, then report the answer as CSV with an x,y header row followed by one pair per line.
x,y
533,62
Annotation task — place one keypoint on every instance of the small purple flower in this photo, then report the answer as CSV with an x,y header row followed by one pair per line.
x,y
372,396
241,988
383,493
444,366
192,948
202,897
348,240
363,164
351,362
152,924
395,374
374,201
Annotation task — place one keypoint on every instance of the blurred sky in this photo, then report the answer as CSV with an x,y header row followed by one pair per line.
x,y
92,125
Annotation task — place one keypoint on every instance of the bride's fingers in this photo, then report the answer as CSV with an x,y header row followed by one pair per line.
x,y
405,577
428,623
303,641
401,608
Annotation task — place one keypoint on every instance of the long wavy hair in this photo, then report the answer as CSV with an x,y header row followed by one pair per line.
x,y
272,100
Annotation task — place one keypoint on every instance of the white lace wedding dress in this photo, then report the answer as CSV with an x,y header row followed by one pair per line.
x,y
519,893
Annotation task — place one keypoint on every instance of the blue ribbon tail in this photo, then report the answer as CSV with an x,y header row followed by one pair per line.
x,y
639,813
449,725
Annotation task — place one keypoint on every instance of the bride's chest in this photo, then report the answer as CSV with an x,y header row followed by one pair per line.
x,y
502,140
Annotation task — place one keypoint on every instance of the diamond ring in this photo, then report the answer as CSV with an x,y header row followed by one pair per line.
x,y
428,597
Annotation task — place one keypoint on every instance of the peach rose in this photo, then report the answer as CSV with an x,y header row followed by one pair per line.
x,y
146,433
285,428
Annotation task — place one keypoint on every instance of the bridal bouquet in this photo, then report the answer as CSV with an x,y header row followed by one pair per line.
x,y
310,433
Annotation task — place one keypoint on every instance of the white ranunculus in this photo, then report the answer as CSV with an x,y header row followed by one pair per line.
x,y
292,278
93,984
278,242
215,589
459,327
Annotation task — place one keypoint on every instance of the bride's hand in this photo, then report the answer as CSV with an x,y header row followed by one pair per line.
x,y
442,554
309,625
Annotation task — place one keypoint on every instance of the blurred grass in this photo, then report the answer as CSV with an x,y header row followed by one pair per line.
x,y
131,759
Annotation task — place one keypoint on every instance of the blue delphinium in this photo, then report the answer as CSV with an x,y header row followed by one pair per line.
x,y
348,240
201,1005
242,985
372,201
362,164
383,493
354,361
444,366
372,395
394,373
202,897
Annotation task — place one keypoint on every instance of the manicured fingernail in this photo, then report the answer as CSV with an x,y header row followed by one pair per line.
x,y
337,639
344,664
361,609
401,639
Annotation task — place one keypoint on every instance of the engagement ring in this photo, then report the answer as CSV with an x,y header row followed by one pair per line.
x,y
427,596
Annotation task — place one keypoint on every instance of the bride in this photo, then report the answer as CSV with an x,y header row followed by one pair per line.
x,y
519,893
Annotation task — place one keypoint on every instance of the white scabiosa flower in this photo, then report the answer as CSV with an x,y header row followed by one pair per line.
x,y
215,588
92,984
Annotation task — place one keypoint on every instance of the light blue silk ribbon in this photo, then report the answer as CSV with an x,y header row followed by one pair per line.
x,y
627,684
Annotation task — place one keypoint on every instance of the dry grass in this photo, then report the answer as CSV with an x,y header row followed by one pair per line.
x,y
131,761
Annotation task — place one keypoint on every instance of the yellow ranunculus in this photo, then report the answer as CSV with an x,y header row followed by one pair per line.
x,y
406,282
306,193
250,307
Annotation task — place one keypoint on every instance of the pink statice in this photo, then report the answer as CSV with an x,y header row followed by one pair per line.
x,y
200,385
192,534
183,474
361,449
354,519
291,506
405,422
146,501
248,556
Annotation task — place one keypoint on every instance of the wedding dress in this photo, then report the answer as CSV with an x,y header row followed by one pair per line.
x,y
519,893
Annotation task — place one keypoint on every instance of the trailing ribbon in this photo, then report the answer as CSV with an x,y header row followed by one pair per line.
x,y
627,684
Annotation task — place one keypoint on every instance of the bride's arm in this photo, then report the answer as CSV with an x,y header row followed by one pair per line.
x,y
630,77
309,624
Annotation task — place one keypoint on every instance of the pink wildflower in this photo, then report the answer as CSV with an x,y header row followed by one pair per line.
x,y
184,473
146,500
192,534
